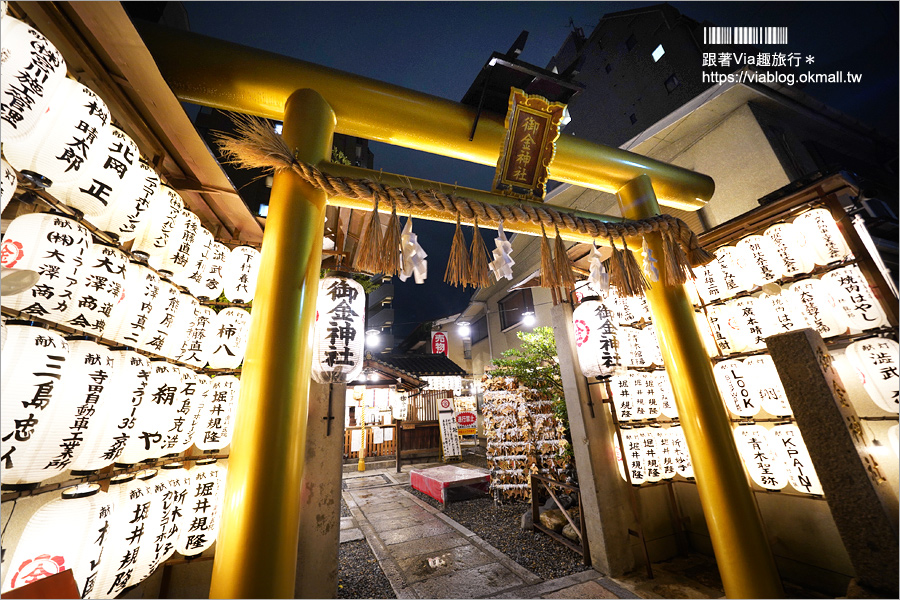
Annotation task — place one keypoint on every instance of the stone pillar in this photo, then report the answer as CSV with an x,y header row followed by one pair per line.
x,y
320,503
604,495
862,504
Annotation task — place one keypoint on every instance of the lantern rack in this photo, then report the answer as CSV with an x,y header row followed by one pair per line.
x,y
104,474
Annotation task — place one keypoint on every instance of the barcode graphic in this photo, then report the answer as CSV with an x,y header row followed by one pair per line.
x,y
745,35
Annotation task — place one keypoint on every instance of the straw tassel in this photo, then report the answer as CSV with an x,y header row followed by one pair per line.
x,y
617,277
636,280
390,254
678,269
368,254
549,277
479,273
457,273
563,264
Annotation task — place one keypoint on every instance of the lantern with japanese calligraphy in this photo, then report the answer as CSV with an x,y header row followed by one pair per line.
x,y
171,493
66,141
683,464
101,286
733,263
641,386
665,396
790,448
204,394
630,309
652,455
652,397
180,247
54,246
70,532
765,264
231,330
823,236
215,272
790,243
32,71
32,365
194,276
760,460
875,361
134,313
340,321
634,455
131,436
112,174
780,312
720,318
126,217
851,291
650,344
152,236
240,273
631,347
159,323
623,396
199,338
666,448
215,426
155,423
595,337
766,385
710,282
199,523
176,438
734,385
819,308
185,314
747,327
116,422
8,185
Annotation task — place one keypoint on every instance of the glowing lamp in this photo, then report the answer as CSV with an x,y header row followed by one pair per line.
x,y
641,387
162,315
823,236
101,287
595,338
748,324
722,326
781,312
199,523
127,216
820,309
734,384
624,402
710,282
215,425
134,312
760,460
212,280
875,361
664,394
765,264
790,448
635,457
683,464
152,236
634,353
790,244
199,337
231,330
652,453
193,277
161,396
185,314
766,385
181,247
171,493
240,273
733,262
849,288
338,345
132,436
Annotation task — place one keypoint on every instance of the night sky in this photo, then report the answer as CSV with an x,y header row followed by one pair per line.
x,y
439,48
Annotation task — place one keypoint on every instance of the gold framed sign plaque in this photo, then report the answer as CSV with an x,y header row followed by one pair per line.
x,y
532,128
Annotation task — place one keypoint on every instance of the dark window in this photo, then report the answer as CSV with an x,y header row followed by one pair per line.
x,y
513,306
672,82
608,68
631,42
479,330
633,118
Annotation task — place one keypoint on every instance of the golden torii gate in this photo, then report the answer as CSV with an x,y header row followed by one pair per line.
x,y
257,545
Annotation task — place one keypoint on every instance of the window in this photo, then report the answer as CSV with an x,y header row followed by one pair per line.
x,y
608,68
263,210
513,306
633,118
658,53
672,82
631,42
479,330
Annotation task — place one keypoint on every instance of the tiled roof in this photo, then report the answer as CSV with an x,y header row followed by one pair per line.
x,y
423,364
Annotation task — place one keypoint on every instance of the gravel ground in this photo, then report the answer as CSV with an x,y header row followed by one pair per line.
x,y
345,512
359,575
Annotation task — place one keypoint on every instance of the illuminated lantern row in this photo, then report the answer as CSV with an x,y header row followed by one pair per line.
x,y
654,453
101,287
340,322
595,338
636,397
240,273
875,362
132,318
750,385
215,424
32,71
8,184
171,494
202,509
68,533
776,457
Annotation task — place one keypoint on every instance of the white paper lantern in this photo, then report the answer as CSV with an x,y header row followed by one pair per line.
x,y
632,349
790,243
176,341
723,326
734,384
595,338
171,493
338,345
202,509
200,337
821,310
69,533
132,436
586,289
623,397
152,237
683,464
652,395
630,309
652,453
666,449
875,361
162,396
215,273
852,293
194,276
634,455
101,287
32,70
88,385
734,262
110,175
240,274
791,449
665,396
765,264
180,246
215,427
781,313
176,438
134,313
823,236
116,424
749,323
710,282
764,467
159,324
9,184
231,331
766,385
67,140
650,344
54,246
203,395
32,366
641,387
134,205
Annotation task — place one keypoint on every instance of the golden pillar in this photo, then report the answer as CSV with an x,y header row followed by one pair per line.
x,y
735,526
256,554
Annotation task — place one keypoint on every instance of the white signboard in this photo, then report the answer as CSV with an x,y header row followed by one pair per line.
x,y
449,430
